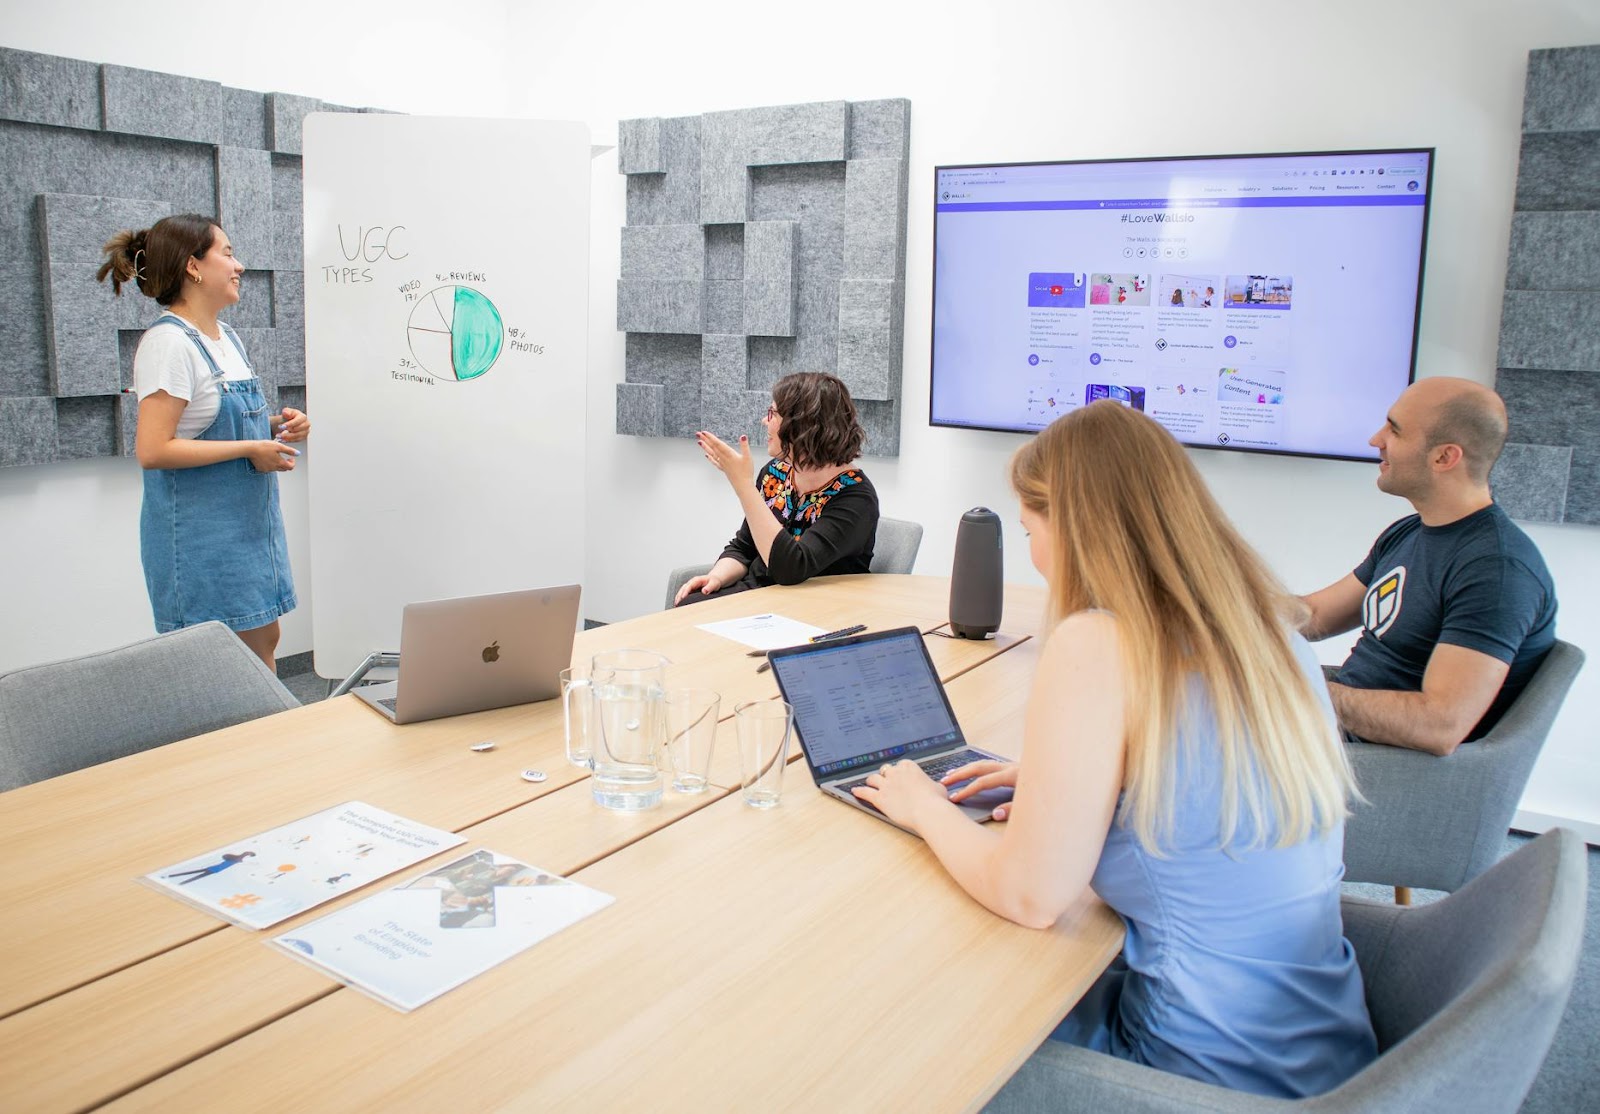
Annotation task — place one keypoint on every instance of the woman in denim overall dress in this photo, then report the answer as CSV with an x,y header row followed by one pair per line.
x,y
211,531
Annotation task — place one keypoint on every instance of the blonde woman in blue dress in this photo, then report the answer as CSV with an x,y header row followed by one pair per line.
x,y
1180,759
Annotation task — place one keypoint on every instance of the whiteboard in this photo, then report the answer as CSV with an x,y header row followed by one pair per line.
x,y
446,318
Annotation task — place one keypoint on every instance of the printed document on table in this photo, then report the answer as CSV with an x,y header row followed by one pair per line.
x,y
260,880
765,632
407,945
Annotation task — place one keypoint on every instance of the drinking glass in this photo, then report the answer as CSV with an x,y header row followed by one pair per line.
x,y
691,731
763,728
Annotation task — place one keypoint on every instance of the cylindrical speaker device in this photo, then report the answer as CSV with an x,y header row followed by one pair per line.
x,y
977,578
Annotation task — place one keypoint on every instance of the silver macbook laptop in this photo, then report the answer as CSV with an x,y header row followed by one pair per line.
x,y
861,702
479,652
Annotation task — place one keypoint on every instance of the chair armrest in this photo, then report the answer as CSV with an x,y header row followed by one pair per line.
x,y
1428,821
1064,1077
680,576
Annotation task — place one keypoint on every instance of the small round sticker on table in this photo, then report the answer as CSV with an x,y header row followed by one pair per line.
x,y
534,775
481,747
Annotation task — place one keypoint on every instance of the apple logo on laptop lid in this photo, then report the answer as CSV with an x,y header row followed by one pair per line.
x,y
492,652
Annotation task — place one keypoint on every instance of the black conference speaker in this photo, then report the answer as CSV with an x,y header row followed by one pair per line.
x,y
977,581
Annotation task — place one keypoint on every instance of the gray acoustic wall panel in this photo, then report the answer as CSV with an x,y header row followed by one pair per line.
x,y
724,308
82,335
790,205
880,129
770,258
660,305
1552,410
161,105
874,218
639,408
244,203
44,89
86,427
1549,361
1534,479
664,251
797,133
285,115
724,172
672,194
870,313
1563,91
27,431
1559,171
1554,251
1551,328
244,119
127,421
639,147
90,150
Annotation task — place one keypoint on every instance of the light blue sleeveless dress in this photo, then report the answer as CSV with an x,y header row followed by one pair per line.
x,y
211,538
1235,970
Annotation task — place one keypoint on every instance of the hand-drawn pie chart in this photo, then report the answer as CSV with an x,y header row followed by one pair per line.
x,y
455,333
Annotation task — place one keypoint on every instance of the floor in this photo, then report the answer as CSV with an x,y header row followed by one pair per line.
x,y
1570,1078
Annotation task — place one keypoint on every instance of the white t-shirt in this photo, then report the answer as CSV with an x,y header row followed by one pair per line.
x,y
167,360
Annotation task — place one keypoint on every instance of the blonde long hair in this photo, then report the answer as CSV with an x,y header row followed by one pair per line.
x,y
1136,533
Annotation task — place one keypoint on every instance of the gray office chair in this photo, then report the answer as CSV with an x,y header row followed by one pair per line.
x,y
1435,823
894,550
1465,996
66,715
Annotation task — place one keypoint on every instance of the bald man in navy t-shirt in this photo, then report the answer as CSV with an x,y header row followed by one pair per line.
x,y
1455,605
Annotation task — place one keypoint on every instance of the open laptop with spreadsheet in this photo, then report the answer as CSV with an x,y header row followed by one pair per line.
x,y
479,652
873,699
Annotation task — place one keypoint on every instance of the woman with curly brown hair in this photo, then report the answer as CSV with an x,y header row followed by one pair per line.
x,y
808,513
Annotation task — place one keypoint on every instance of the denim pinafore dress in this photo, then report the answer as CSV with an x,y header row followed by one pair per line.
x,y
211,538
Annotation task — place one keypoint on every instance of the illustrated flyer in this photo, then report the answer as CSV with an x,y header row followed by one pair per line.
x,y
407,945
260,880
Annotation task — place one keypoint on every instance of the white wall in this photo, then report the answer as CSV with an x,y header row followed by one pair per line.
x,y
987,82
993,82
69,533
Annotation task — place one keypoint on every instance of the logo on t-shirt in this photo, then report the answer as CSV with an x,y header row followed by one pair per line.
x,y
1381,607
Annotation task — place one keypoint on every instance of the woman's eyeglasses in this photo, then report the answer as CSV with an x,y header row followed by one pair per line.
x,y
772,412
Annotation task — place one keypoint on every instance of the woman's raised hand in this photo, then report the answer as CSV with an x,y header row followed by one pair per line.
x,y
735,463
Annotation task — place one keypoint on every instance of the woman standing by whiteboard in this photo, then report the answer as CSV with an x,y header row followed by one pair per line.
x,y
211,531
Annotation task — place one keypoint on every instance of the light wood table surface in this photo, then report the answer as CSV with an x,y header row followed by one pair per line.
x,y
74,843
134,995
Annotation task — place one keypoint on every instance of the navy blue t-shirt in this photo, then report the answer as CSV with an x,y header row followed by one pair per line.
x,y
1478,582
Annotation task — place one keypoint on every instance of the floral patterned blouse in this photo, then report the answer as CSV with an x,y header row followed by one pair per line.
x,y
828,532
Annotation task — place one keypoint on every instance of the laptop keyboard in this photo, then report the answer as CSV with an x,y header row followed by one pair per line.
x,y
387,702
935,768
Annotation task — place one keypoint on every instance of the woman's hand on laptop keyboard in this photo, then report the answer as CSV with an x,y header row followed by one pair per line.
x,y
903,793
979,776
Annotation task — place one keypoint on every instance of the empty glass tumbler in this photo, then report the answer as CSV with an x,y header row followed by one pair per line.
x,y
691,733
763,728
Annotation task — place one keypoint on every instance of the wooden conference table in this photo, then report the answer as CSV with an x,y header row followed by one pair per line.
x,y
805,957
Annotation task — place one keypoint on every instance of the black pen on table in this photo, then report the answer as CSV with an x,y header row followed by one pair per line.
x,y
842,632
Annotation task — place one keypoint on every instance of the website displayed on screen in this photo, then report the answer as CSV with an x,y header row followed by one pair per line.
x,y
1263,303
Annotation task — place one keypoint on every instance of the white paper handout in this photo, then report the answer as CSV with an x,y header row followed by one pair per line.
x,y
263,879
407,945
765,632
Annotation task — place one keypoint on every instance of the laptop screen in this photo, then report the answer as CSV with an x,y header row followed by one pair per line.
x,y
868,699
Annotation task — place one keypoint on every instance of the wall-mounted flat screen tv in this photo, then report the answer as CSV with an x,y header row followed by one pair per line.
x,y
1267,303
